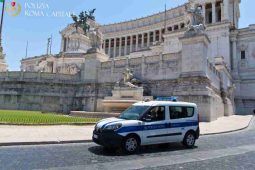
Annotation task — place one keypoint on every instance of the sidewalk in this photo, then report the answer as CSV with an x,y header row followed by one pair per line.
x,y
18,135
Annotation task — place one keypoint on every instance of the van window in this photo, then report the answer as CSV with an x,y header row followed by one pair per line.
x,y
156,114
179,112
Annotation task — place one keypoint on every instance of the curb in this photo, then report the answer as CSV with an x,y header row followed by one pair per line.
x,y
60,124
236,130
89,141
44,143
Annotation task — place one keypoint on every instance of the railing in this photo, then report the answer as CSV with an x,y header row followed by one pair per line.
x,y
213,74
39,77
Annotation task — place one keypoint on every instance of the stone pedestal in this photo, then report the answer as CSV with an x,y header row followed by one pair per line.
x,y
93,60
78,43
122,98
194,55
195,84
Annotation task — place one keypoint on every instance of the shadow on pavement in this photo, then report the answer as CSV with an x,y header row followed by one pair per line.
x,y
101,151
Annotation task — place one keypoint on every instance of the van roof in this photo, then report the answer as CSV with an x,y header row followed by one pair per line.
x,y
164,103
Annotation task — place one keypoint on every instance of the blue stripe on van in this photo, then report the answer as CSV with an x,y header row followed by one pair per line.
x,y
154,127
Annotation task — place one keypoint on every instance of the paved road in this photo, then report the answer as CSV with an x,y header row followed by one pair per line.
x,y
226,151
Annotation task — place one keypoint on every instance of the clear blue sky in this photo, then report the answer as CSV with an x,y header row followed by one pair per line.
x,y
18,30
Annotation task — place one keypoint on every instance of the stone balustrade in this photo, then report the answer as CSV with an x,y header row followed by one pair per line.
x,y
38,76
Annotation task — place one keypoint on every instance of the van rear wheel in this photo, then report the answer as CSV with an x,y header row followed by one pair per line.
x,y
189,140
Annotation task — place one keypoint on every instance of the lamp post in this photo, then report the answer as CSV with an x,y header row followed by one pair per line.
x,y
1,27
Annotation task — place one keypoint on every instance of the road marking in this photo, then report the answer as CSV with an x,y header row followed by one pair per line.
x,y
167,160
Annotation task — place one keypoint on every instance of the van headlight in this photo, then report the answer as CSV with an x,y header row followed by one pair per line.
x,y
113,126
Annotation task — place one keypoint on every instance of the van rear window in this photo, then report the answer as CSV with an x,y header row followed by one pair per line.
x,y
180,112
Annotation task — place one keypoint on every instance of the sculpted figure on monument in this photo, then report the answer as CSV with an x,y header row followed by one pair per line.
x,y
194,18
82,20
128,79
96,38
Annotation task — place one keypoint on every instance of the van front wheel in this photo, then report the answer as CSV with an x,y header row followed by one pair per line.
x,y
189,140
130,144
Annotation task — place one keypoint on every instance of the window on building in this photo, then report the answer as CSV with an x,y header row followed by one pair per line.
x,y
218,11
65,44
243,55
210,17
208,14
182,25
178,112
157,35
170,29
176,27
151,37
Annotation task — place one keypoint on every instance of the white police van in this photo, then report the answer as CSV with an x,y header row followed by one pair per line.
x,y
147,123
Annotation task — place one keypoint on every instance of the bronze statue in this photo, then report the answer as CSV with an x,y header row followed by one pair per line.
x,y
82,20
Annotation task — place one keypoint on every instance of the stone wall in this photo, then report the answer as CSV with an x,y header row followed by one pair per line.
x,y
158,67
37,91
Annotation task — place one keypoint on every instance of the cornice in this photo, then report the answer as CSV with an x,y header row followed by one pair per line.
x,y
144,18
144,29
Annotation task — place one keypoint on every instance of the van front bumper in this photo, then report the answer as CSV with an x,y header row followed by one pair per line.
x,y
107,138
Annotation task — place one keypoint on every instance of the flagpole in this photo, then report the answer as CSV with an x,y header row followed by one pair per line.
x,y
26,50
1,26
50,43
165,19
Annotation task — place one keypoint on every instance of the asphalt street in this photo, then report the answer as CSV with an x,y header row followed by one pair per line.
x,y
226,151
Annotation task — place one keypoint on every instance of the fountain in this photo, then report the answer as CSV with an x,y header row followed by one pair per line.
x,y
125,93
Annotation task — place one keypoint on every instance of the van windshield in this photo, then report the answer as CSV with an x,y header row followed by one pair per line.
x,y
133,112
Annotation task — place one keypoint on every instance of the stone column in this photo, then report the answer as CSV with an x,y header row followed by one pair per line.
x,y
131,43
235,15
161,64
154,36
125,49
109,47
226,9
136,45
112,69
213,12
222,9
204,12
143,66
142,40
160,35
148,39
120,46
114,48
234,53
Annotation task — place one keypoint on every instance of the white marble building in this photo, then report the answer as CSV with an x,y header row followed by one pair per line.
x,y
154,48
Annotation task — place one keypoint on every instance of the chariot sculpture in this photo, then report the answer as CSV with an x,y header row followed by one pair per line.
x,y
82,20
